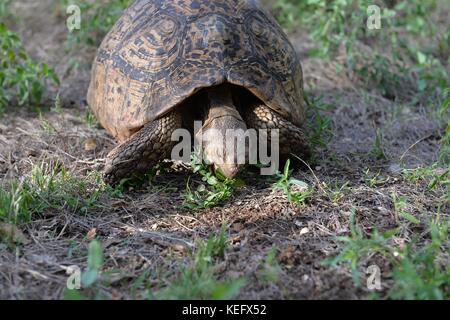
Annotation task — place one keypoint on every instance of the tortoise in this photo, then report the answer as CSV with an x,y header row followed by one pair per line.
x,y
165,64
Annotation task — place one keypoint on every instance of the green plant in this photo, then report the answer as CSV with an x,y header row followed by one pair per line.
x,y
414,16
22,80
418,271
270,270
98,19
374,180
15,203
417,174
57,105
4,8
434,176
90,277
95,262
439,179
141,180
194,281
382,73
377,151
444,153
400,203
198,279
337,192
55,189
90,120
331,24
424,273
50,187
318,128
286,183
334,22
46,125
358,246
215,189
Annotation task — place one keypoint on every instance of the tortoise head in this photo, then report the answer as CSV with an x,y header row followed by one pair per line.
x,y
221,147
222,133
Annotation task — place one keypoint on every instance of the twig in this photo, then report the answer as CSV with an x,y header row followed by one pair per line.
x,y
315,177
153,234
413,145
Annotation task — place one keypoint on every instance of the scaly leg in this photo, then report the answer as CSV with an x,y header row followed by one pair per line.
x,y
143,150
292,138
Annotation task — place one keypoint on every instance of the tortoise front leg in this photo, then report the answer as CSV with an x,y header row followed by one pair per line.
x,y
292,138
143,150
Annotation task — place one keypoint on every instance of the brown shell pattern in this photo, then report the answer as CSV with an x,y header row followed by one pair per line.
x,y
161,52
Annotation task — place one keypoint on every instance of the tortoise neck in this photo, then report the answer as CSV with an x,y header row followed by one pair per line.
x,y
220,103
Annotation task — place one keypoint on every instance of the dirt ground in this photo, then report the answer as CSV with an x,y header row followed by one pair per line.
x,y
144,230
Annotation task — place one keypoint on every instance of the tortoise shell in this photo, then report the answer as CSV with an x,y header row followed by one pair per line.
x,y
159,53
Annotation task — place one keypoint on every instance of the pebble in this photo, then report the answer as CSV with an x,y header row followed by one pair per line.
x,y
304,231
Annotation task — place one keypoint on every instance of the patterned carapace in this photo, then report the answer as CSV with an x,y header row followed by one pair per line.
x,y
160,52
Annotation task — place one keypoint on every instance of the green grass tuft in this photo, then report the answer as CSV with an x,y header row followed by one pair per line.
x,y
198,280
286,183
98,17
405,23
419,270
22,80
50,187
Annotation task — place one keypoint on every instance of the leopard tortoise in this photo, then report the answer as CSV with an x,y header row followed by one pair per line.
x,y
166,63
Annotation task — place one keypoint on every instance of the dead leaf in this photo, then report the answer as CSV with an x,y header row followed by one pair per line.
x,y
91,234
90,144
288,255
237,227
12,233
235,239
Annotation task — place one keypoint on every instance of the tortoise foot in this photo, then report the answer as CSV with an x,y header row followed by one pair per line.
x,y
143,150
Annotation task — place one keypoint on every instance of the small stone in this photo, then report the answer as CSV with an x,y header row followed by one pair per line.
x,y
395,168
179,248
304,231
